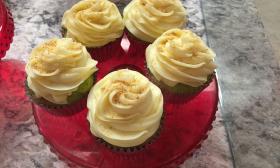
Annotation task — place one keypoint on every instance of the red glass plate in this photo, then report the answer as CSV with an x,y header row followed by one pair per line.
x,y
186,123
6,29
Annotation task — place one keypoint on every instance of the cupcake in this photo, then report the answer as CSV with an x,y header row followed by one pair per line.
x,y
97,24
180,62
125,110
146,20
60,73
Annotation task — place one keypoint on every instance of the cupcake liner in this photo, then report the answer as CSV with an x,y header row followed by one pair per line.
x,y
137,46
63,31
57,109
108,51
137,148
180,89
105,52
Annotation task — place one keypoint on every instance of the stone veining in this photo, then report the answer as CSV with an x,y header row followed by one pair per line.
x,y
249,78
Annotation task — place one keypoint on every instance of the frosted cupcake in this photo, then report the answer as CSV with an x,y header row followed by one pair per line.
x,y
146,20
179,61
97,24
125,110
60,73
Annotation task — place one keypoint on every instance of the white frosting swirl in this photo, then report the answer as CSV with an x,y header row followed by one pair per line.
x,y
125,108
148,19
180,56
57,67
94,23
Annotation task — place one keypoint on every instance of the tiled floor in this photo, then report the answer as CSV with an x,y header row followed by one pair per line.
x,y
269,11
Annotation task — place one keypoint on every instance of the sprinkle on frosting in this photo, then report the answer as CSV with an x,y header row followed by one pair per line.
x,y
125,108
94,23
180,56
57,67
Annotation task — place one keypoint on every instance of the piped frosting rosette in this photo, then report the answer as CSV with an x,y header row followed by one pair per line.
x,y
125,108
94,23
180,57
57,67
148,19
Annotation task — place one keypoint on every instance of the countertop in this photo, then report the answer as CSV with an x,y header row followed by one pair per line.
x,y
246,124
249,77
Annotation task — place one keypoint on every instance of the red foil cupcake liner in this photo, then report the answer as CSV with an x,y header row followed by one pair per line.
x,y
106,52
137,46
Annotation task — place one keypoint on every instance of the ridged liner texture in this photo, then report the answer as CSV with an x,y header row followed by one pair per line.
x,y
57,109
138,148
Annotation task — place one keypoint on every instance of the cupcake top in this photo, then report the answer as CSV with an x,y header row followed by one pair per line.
x,y
94,23
180,56
148,19
125,108
57,67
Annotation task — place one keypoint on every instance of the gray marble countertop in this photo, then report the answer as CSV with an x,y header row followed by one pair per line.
x,y
248,76
249,79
